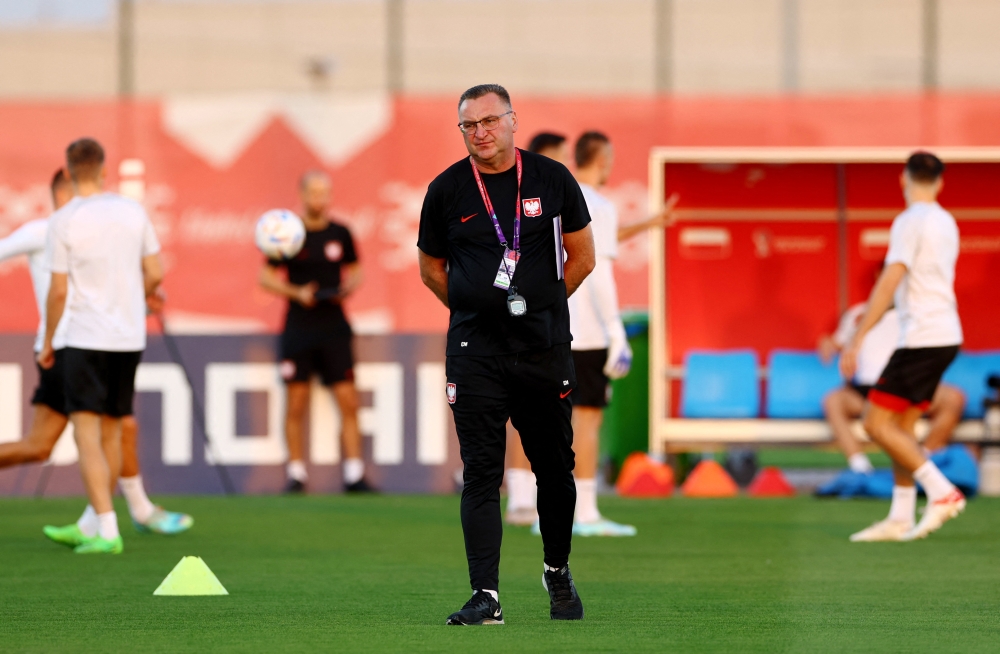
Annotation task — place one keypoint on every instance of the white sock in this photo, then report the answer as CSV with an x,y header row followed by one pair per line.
x,y
108,525
586,501
858,462
139,506
935,484
494,593
904,504
549,568
354,470
297,470
87,523
522,491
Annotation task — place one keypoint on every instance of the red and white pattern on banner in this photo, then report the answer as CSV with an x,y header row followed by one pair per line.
x,y
204,208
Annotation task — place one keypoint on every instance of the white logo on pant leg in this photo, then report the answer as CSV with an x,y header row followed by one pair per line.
x,y
452,391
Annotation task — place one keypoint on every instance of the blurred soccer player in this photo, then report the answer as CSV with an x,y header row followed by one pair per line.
x,y
551,145
845,404
920,273
522,492
600,348
48,402
317,339
107,245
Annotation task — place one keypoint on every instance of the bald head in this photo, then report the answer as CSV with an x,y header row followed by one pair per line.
x,y
314,191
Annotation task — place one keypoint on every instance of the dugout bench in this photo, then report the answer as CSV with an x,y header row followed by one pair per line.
x,y
721,399
769,246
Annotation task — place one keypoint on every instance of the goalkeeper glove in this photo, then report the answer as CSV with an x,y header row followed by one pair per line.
x,y
619,354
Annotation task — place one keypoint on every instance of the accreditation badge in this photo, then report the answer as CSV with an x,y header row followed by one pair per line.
x,y
506,271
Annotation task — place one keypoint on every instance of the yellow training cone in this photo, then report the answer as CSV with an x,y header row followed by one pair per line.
x,y
191,577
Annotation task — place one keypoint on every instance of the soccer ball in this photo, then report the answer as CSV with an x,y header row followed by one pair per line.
x,y
279,234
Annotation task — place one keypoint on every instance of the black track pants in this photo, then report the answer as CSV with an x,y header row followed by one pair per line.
x,y
532,389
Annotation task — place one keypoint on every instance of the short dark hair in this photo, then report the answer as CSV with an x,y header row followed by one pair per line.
x,y
545,140
480,90
84,159
924,167
59,179
587,146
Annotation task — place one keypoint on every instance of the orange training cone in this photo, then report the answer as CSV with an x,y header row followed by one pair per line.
x,y
642,476
709,479
769,482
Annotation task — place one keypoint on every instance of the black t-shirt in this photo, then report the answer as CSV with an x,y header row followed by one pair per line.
x,y
455,225
320,259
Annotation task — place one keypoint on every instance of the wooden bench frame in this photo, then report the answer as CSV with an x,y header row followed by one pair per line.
x,y
680,434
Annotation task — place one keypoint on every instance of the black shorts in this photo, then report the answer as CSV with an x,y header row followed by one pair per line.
x,y
592,387
911,377
861,389
51,390
99,381
332,359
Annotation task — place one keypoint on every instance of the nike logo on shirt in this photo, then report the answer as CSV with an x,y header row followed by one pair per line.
x,y
562,396
468,218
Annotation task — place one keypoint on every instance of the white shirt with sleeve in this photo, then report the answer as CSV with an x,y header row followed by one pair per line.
x,y
593,308
924,238
29,239
100,244
876,347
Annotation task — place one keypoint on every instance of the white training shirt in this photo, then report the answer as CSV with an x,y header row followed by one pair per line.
x,y
593,309
100,243
876,348
924,238
29,239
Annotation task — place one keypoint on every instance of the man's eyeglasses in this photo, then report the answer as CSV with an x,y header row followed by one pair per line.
x,y
489,123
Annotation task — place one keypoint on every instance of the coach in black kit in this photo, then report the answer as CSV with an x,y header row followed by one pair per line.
x,y
493,232
317,338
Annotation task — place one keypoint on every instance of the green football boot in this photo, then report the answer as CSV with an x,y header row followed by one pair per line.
x,y
100,545
69,535
164,522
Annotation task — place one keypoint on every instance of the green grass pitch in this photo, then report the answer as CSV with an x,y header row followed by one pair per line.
x,y
382,573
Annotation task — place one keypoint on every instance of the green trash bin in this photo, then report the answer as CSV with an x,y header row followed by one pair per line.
x,y
626,419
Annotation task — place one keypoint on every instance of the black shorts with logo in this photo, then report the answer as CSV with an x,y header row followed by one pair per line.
x,y
911,377
99,381
332,358
592,387
861,389
51,389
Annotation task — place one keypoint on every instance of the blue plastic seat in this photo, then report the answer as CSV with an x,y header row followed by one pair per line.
x,y
969,372
797,381
720,385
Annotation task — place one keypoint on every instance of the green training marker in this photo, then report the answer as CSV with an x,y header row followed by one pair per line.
x,y
191,577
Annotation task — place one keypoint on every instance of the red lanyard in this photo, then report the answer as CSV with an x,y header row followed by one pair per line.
x,y
489,205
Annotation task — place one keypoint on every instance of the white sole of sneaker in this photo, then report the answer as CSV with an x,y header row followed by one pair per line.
x,y
952,513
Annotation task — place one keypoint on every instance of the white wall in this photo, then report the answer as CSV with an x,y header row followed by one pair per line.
x,y
534,46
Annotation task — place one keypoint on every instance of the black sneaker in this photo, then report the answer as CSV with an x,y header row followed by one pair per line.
x,y
564,602
295,487
360,486
480,609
